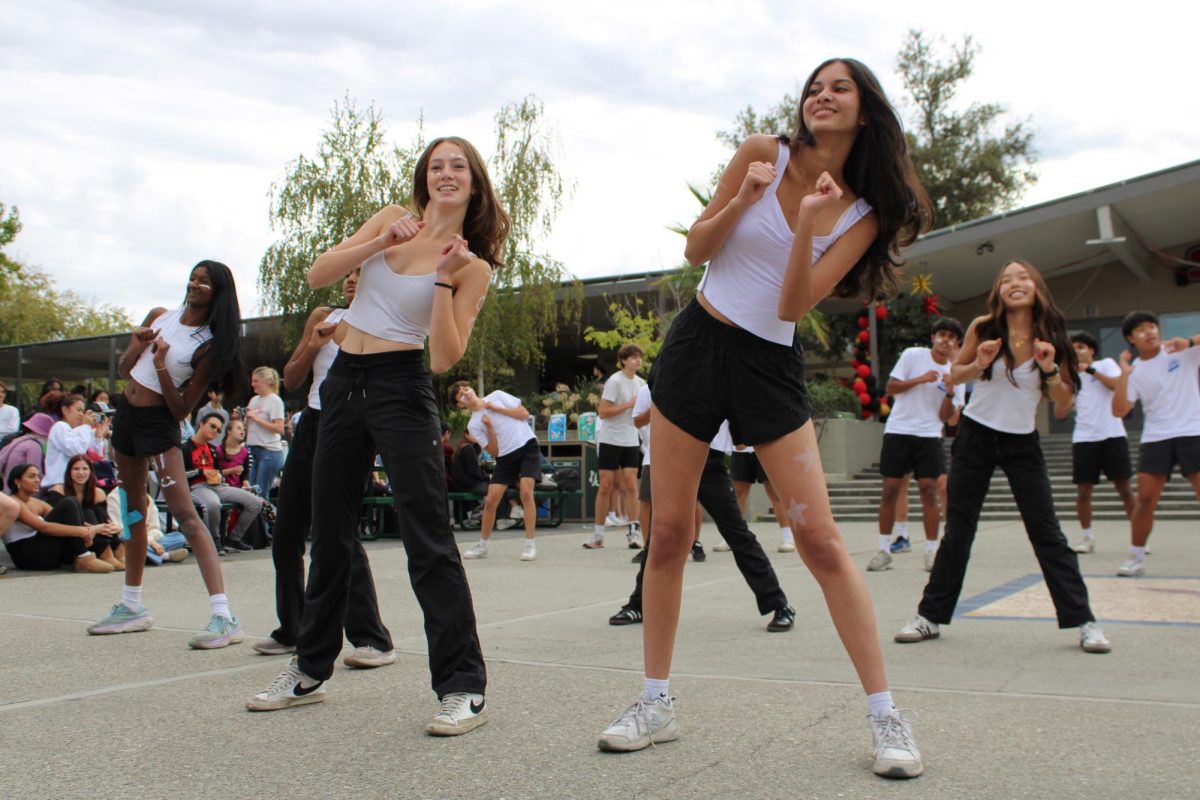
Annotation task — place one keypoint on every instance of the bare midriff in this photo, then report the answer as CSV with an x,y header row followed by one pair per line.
x,y
357,342
717,315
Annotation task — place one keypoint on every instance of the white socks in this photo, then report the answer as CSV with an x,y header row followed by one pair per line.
x,y
900,529
654,689
880,704
931,545
131,597
785,535
599,529
219,604
1089,535
885,542
1138,552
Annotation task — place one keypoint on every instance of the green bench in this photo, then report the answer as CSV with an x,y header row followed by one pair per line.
x,y
459,500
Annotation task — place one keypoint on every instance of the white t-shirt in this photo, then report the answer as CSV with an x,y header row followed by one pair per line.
x,y
270,407
63,443
915,412
511,434
1169,390
619,429
723,441
1003,407
1094,420
10,420
641,405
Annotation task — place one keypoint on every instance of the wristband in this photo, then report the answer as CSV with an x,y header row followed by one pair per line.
x,y
1090,370
1048,373
439,283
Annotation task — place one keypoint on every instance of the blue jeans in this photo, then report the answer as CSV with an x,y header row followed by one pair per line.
x,y
265,468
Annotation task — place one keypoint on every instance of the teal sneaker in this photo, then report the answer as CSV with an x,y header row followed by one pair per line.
x,y
220,632
122,620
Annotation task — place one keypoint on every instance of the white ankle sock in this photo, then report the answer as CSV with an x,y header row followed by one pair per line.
x,y
1088,534
785,534
900,529
931,545
654,689
219,604
483,544
1138,552
879,704
599,530
131,597
885,542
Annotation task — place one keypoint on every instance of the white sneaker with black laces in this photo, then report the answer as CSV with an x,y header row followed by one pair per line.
x,y
896,754
644,723
460,712
634,537
1092,639
291,688
918,630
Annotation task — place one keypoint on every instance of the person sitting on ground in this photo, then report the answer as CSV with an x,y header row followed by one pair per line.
x,y
79,484
209,489
162,547
77,431
45,538
29,448
233,457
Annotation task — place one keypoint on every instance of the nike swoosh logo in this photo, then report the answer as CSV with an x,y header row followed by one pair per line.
x,y
300,691
475,709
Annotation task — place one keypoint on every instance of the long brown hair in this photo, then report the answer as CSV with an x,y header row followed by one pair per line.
x,y
487,224
1049,325
89,489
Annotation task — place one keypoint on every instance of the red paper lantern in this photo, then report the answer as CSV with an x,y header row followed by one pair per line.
x,y
863,370
855,363
859,385
864,398
864,336
881,312
866,414
863,322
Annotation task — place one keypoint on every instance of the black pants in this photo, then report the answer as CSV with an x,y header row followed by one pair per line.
x,y
363,625
385,403
716,496
976,453
42,552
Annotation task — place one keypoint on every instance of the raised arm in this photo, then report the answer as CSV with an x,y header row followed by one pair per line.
x,y
462,285
974,356
1121,404
142,336
743,182
391,226
315,335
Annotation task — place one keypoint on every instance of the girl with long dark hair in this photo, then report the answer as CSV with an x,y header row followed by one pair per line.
x,y
790,222
172,359
79,484
419,280
1017,354
44,538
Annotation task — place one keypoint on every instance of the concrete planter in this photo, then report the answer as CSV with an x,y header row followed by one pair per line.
x,y
848,445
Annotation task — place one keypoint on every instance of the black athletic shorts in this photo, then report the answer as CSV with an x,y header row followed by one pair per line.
x,y
1109,455
644,484
614,456
143,430
708,372
745,468
1159,458
524,462
903,453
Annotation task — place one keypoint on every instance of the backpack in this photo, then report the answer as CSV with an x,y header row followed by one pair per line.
x,y
567,479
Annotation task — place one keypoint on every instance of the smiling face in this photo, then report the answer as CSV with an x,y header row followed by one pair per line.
x,y
448,175
200,288
1146,337
1017,286
80,472
832,102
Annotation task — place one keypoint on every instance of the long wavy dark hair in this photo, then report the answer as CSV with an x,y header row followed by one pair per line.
x,y
224,352
1049,325
89,489
880,171
487,225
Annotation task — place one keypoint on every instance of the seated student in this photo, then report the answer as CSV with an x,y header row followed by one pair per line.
x,y
29,448
233,457
209,489
161,547
44,538
1164,378
79,485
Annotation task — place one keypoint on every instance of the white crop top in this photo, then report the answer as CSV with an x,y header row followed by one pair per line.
x,y
324,360
393,307
184,341
18,531
1003,407
743,281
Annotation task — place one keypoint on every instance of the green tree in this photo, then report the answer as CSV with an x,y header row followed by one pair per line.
x,y
971,163
10,226
630,323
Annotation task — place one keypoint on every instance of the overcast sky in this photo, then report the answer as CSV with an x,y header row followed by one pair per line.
x,y
141,137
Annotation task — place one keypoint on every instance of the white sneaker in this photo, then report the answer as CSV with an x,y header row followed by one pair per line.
x,y
930,557
368,657
896,754
787,543
478,551
721,547
460,712
611,520
634,537
516,512
918,630
530,551
880,561
622,520
288,690
642,724
1092,639
1133,567
1084,546
595,541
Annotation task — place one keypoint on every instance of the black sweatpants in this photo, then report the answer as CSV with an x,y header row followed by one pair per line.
x,y
716,496
976,453
42,552
385,403
363,625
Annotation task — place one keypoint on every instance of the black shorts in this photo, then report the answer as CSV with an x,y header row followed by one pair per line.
x,y
644,484
1109,455
1159,458
903,453
524,462
708,372
745,468
614,456
143,430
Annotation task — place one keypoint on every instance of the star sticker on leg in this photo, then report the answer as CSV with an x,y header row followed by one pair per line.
x,y
795,511
808,458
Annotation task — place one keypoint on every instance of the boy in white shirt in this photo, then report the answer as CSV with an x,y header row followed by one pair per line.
x,y
925,399
1166,378
618,446
499,423
1098,441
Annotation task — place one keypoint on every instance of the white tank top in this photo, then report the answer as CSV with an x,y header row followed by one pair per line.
x,y
184,341
393,307
324,361
744,279
1003,407
18,531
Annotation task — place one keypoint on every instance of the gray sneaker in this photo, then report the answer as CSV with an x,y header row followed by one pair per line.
x,y
918,630
1133,567
1092,639
368,657
221,632
1084,545
121,620
642,724
881,561
896,754
272,647
478,551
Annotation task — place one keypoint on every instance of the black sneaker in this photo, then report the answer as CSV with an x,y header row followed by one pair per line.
x,y
784,620
238,544
639,557
698,553
626,616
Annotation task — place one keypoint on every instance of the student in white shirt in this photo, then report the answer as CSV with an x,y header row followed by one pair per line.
x,y
1165,379
925,399
499,422
10,417
1098,441
618,447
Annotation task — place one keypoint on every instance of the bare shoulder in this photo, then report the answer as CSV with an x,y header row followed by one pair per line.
x,y
476,272
761,147
154,314
318,314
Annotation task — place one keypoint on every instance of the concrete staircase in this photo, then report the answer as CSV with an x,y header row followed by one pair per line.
x,y
857,499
